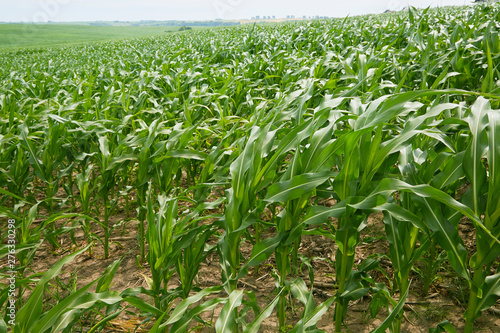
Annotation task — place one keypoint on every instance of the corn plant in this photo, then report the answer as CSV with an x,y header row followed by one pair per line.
x,y
241,200
483,199
86,187
447,233
108,162
32,318
105,187
306,171
188,263
28,239
172,249
428,197
47,161
242,209
403,234
18,177
160,237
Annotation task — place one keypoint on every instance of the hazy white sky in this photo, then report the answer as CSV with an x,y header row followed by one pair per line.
x,y
134,10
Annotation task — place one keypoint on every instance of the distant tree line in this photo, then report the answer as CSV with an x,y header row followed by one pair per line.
x,y
149,23
183,23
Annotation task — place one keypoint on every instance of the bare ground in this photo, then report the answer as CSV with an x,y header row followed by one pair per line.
x,y
421,313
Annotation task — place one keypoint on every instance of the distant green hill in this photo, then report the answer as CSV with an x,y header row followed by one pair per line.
x,y
14,36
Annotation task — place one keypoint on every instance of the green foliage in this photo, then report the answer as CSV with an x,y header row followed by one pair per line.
x,y
219,137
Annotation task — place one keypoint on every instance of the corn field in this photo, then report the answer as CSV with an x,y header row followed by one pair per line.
x,y
265,137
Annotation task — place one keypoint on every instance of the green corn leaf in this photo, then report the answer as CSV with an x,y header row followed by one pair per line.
x,y
104,148
30,313
388,186
105,280
34,161
491,293
3,326
394,314
182,153
493,200
182,325
262,251
50,318
296,187
446,235
299,290
254,326
142,305
241,165
388,107
396,251
488,80
83,303
317,143
320,214
472,165
4,248
226,321
444,326
104,321
183,305
451,172
10,194
313,317
117,160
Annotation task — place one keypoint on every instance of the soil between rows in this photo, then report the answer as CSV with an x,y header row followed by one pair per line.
x,y
446,299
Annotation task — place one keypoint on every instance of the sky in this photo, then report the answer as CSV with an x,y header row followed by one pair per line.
x,y
39,11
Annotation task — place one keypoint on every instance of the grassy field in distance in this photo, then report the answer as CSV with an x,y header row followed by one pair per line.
x,y
14,36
